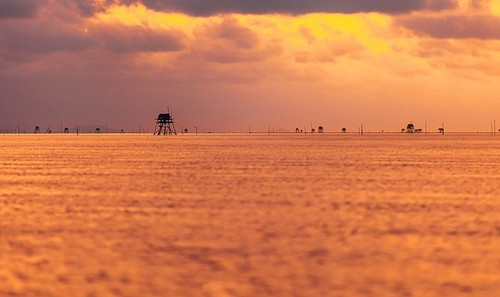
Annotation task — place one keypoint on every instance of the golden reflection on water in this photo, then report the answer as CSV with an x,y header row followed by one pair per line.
x,y
249,215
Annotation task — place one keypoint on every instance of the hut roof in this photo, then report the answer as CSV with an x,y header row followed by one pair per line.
x,y
164,117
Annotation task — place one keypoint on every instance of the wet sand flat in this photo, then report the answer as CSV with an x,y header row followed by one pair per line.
x,y
250,215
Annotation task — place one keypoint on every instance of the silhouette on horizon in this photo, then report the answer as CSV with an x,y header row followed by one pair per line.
x,y
410,128
165,125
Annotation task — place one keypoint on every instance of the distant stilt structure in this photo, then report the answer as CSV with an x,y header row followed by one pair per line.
x,y
410,128
320,129
37,129
66,130
165,125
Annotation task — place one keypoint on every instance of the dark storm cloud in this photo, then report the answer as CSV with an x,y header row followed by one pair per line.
x,y
454,26
19,8
210,7
294,7
90,7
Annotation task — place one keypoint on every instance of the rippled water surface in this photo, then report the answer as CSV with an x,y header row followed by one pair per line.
x,y
249,215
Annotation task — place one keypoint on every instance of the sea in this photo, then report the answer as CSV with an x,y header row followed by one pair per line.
x,y
222,215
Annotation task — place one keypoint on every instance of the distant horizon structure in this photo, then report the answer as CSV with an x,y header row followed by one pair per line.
x,y
410,128
164,125
37,129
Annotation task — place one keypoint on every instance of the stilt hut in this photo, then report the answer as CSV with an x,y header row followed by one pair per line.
x,y
165,125
410,128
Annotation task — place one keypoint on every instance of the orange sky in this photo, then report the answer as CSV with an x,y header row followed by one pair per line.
x,y
229,64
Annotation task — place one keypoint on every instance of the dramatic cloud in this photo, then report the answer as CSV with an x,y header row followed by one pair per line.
x,y
211,7
135,39
227,41
454,26
19,8
44,39
292,7
90,7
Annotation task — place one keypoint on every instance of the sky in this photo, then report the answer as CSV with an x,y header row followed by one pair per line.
x,y
231,65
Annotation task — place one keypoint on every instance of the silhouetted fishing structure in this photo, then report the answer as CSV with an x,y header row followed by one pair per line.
x,y
410,128
165,125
